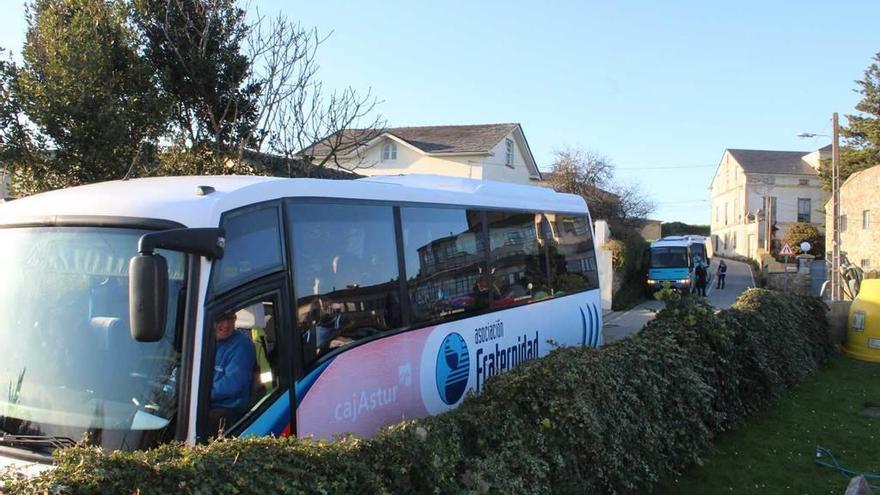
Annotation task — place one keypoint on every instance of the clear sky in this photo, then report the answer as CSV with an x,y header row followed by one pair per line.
x,y
656,86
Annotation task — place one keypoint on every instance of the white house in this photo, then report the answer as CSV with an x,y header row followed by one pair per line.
x,y
497,152
748,182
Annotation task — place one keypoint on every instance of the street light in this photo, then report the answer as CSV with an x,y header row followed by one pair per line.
x,y
835,201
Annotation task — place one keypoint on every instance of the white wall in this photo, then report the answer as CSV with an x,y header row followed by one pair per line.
x,y
604,263
787,190
494,167
729,208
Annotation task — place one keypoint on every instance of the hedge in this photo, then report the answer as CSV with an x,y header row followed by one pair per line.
x,y
613,420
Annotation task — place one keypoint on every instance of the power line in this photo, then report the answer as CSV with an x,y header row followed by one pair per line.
x,y
670,167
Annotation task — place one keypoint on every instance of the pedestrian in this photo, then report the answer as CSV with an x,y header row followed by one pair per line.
x,y
721,274
701,275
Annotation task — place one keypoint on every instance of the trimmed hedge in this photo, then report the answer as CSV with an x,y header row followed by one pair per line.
x,y
613,420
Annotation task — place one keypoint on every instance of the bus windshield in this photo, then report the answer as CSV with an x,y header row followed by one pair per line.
x,y
669,257
70,367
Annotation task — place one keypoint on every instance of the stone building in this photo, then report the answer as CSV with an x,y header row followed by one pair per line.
x,y
859,219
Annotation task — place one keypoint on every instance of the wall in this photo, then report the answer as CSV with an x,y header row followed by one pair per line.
x,y
859,193
604,263
4,185
787,189
729,208
494,167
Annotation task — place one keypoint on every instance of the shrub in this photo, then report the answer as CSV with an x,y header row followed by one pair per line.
x,y
630,269
800,232
611,420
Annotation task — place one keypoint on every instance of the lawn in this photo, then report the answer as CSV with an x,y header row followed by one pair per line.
x,y
775,451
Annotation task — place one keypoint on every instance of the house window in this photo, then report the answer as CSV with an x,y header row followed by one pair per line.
x,y
803,182
733,241
389,151
736,215
725,214
866,264
717,213
508,152
866,219
804,210
843,223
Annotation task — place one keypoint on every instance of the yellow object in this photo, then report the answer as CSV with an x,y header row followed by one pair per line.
x,y
863,327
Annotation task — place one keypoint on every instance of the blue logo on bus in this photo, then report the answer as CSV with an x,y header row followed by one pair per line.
x,y
453,368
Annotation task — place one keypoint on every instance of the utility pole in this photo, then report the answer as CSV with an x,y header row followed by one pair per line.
x,y
770,214
835,199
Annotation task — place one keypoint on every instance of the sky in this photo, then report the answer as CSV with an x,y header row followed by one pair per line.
x,y
660,88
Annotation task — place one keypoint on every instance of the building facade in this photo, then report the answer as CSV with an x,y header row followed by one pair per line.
x,y
859,219
497,152
749,183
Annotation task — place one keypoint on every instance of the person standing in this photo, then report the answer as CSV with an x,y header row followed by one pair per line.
x,y
701,275
721,274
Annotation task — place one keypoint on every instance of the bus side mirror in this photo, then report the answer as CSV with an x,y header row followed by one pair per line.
x,y
148,296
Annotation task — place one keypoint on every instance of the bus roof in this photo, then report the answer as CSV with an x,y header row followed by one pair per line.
x,y
679,240
175,198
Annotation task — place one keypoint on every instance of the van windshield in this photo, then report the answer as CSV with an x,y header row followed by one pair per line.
x,y
70,366
669,257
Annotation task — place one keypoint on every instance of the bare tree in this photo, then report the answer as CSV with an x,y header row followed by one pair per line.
x,y
633,206
261,94
297,118
578,171
591,176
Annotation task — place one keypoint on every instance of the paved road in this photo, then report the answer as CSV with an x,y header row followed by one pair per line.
x,y
619,324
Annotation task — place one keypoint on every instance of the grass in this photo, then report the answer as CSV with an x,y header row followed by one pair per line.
x,y
774,451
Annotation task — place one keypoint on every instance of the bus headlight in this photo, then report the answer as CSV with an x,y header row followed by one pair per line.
x,y
652,282
685,281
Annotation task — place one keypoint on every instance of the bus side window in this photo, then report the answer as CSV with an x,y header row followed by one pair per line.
x,y
517,263
445,262
571,257
346,277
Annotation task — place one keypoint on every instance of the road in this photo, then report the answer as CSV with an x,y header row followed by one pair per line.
x,y
619,324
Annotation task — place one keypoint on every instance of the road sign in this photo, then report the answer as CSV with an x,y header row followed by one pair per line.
x,y
805,246
786,251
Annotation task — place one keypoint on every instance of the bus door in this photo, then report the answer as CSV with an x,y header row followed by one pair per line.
x,y
246,351
246,368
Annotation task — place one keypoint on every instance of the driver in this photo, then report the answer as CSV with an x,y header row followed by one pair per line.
x,y
234,364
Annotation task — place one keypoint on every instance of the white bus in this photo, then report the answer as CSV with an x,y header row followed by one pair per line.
x,y
360,303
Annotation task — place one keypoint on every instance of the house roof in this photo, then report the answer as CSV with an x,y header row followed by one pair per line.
x,y
438,139
773,162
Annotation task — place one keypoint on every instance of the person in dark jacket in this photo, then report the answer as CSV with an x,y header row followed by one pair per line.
x,y
701,275
234,364
721,274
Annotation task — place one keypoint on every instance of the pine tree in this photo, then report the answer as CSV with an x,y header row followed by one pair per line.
x,y
861,148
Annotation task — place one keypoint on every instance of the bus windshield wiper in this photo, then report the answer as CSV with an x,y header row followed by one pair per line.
x,y
30,441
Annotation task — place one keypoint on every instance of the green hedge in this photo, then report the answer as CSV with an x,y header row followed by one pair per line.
x,y
613,420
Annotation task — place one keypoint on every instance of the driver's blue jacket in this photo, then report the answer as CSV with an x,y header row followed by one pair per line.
x,y
234,366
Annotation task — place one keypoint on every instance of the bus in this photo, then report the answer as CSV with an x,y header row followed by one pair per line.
x,y
672,259
365,302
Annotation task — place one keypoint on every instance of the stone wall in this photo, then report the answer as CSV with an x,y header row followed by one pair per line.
x,y
860,243
797,282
